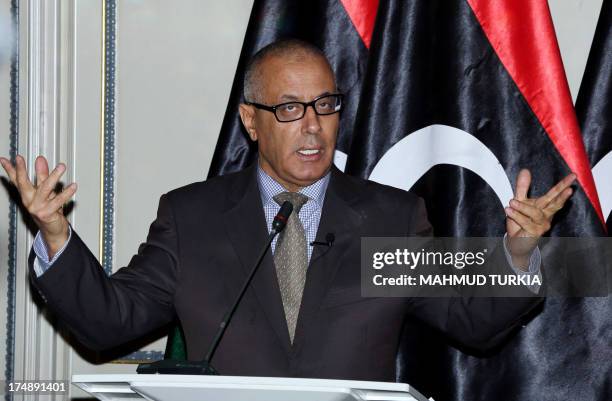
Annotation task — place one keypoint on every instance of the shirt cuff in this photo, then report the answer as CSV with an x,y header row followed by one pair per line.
x,y
42,262
535,262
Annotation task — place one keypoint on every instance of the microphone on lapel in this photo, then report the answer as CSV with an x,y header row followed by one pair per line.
x,y
204,367
329,241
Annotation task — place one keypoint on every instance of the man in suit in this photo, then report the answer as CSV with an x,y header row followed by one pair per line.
x,y
303,315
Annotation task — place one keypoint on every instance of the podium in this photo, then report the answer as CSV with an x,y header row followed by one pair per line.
x,y
239,388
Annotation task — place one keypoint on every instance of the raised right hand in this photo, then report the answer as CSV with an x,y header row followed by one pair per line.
x,y
42,203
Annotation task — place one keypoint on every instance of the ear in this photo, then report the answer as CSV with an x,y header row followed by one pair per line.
x,y
247,115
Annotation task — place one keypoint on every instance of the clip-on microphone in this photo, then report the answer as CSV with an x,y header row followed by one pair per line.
x,y
329,241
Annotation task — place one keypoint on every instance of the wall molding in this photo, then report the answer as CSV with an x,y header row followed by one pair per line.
x,y
40,351
9,365
107,148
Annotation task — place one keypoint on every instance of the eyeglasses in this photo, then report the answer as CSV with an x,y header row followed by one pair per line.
x,y
292,111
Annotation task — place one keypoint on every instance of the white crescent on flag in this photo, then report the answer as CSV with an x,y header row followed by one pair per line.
x,y
340,159
602,174
409,159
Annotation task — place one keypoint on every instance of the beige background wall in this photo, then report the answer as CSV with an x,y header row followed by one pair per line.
x,y
175,65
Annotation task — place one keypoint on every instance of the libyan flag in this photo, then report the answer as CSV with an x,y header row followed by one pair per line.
x,y
594,109
460,95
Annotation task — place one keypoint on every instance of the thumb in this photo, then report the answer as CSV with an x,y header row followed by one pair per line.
x,y
523,181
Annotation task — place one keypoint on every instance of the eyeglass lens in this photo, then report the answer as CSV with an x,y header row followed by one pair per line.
x,y
293,111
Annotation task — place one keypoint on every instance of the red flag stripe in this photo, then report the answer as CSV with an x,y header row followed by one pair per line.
x,y
363,14
522,34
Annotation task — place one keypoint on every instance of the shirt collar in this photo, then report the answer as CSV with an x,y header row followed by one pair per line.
x,y
269,187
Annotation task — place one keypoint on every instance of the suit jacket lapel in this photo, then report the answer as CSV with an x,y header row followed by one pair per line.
x,y
247,232
342,219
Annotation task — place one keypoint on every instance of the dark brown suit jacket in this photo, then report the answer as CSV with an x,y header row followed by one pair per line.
x,y
197,255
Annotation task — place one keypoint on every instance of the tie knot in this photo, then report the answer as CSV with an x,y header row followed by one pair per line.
x,y
297,199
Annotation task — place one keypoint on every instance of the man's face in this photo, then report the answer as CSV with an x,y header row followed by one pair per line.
x,y
295,153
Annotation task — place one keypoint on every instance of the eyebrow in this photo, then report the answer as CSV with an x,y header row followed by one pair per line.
x,y
291,98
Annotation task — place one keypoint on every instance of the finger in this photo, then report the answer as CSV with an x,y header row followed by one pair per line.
x,y
544,200
534,213
10,170
63,197
42,169
23,181
45,189
523,181
525,222
558,202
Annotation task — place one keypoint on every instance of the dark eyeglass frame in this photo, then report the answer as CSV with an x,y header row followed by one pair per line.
x,y
272,109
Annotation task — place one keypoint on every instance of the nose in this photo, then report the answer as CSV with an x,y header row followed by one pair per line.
x,y
310,122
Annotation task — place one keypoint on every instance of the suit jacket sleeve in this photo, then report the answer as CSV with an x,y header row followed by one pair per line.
x,y
103,311
474,320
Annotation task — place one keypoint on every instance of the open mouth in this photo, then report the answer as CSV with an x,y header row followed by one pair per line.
x,y
309,152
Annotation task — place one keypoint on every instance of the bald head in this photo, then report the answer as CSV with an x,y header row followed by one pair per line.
x,y
291,50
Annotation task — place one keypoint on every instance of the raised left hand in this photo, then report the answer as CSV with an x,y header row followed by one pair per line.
x,y
527,219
